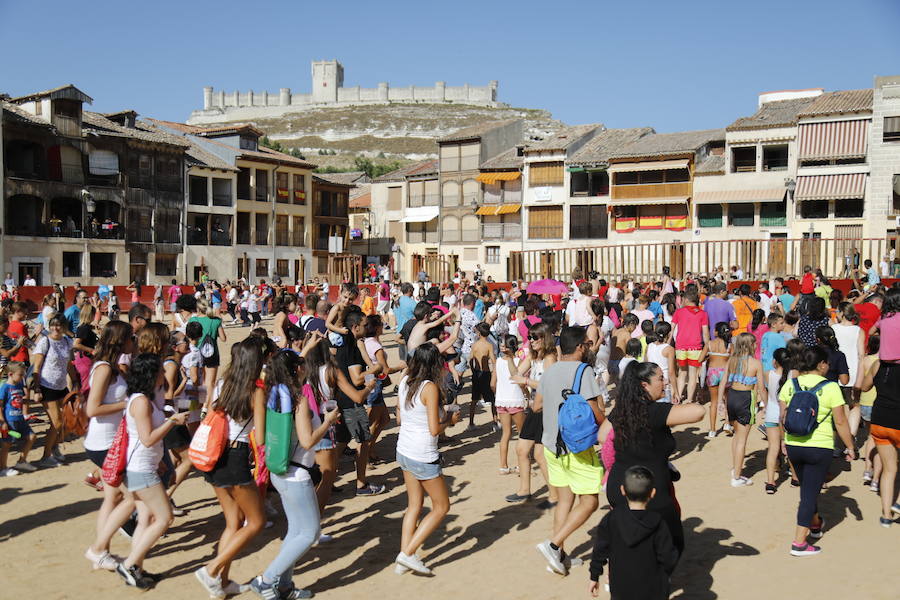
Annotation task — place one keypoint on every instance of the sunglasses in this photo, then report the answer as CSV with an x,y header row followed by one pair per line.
x,y
534,338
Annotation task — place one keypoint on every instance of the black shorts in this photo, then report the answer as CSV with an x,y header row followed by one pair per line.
x,y
51,395
212,362
738,404
233,468
533,427
481,386
354,424
177,438
96,456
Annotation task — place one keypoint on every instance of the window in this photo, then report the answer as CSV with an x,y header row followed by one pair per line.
x,y
103,264
492,255
243,184
450,228
578,183
741,215
422,232
298,233
248,143
471,228
450,158
813,209
773,214
891,129
166,264
743,160
627,178
600,183
282,267
282,235
676,176
710,215
299,189
220,230
896,194
221,192
71,262
545,173
243,228
775,157
167,224
262,267
851,208
469,157
282,193
395,197
145,165
198,229
652,177
262,185
587,222
197,188
262,229
140,224
545,222
450,194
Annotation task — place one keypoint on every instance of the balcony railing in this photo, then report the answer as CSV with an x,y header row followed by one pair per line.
x,y
169,183
198,238
72,173
139,235
297,238
650,190
501,231
221,199
262,237
545,232
243,237
282,238
220,238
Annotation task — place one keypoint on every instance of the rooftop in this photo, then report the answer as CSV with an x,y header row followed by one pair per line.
x,y
16,114
424,167
597,151
68,92
839,103
562,139
508,159
92,122
475,131
668,144
363,201
713,165
318,179
200,157
781,113
350,177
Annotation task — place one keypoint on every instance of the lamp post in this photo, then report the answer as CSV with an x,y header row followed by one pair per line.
x,y
89,206
368,225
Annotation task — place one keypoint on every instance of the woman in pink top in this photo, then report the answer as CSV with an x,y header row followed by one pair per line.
x,y
889,326
758,327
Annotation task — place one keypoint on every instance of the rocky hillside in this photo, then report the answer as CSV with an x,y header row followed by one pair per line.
x,y
405,132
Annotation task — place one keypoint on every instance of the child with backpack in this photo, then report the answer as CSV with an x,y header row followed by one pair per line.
x,y
635,543
813,408
293,429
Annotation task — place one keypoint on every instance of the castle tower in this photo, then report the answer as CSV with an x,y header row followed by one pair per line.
x,y
327,77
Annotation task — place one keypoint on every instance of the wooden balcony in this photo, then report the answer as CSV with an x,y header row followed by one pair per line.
x,y
68,126
651,190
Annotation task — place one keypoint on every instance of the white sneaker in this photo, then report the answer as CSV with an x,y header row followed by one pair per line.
x,y
741,481
413,563
233,588
712,434
104,560
552,557
325,538
212,584
25,467
8,473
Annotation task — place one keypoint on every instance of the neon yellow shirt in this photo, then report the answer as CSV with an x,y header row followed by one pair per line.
x,y
830,398
868,398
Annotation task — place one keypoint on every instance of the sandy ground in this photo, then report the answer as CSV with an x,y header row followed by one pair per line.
x,y
737,539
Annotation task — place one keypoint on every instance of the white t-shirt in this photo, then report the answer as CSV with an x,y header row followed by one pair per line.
x,y
577,312
102,429
766,302
56,361
773,411
500,325
509,394
142,459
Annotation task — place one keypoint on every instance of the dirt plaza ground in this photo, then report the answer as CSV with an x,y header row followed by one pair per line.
x,y
737,539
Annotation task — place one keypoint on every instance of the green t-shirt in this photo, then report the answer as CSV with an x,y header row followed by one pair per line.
x,y
210,328
830,399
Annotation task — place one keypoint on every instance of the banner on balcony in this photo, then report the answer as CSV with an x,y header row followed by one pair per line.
x,y
283,193
299,195
356,234
625,224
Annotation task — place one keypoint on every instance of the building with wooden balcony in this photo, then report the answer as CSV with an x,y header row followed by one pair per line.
x,y
330,224
501,210
832,193
88,197
652,184
267,232
461,155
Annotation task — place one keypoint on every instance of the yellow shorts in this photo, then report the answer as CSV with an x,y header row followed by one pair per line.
x,y
686,358
582,472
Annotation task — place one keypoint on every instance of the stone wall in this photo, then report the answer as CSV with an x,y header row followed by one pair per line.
x,y
884,157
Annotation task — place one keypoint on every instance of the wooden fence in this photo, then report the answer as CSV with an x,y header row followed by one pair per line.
x,y
759,259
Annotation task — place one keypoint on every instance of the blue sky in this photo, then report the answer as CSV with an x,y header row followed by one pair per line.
x,y
670,65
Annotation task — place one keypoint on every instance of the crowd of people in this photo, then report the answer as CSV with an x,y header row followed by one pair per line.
x,y
586,378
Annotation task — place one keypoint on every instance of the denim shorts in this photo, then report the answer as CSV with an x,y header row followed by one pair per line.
x,y
137,480
327,441
419,470
866,413
376,396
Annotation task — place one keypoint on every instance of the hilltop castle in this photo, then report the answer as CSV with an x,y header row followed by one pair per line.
x,y
328,90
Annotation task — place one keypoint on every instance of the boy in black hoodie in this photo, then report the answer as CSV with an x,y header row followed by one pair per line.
x,y
636,543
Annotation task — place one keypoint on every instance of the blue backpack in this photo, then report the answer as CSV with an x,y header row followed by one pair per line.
x,y
577,424
802,414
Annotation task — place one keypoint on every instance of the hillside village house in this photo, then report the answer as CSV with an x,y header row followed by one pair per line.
x,y
88,197
501,211
270,214
329,228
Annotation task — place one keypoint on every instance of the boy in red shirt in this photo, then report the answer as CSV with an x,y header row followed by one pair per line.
x,y
807,289
691,334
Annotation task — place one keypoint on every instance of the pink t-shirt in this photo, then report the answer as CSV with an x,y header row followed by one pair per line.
x,y
174,293
523,329
690,321
372,347
890,337
758,333
642,315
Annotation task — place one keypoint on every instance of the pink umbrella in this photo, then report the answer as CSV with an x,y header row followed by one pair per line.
x,y
547,286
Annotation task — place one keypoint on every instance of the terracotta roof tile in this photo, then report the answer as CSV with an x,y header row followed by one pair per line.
x,y
713,165
781,113
17,114
564,138
508,159
475,131
424,167
364,201
665,144
839,103
350,177
97,123
597,151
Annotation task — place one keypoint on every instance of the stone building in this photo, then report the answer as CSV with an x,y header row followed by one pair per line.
x,y
328,90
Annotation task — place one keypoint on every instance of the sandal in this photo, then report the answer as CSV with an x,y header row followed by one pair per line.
x,y
770,488
795,482
508,470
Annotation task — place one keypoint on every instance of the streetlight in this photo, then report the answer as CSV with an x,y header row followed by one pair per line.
x,y
368,225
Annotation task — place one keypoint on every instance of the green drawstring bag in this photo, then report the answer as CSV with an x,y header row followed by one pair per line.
x,y
279,427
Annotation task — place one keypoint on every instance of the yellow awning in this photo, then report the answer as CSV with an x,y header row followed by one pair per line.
x,y
491,178
486,211
650,165
508,209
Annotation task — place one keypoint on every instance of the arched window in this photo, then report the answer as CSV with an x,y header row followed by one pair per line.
x,y
449,229
470,190
471,232
450,194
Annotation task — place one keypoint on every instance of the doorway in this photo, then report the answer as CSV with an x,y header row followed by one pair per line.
x,y
777,255
35,270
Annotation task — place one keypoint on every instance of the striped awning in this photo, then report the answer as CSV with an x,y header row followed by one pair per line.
x,y
501,209
650,165
831,187
833,140
735,196
490,178
650,201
